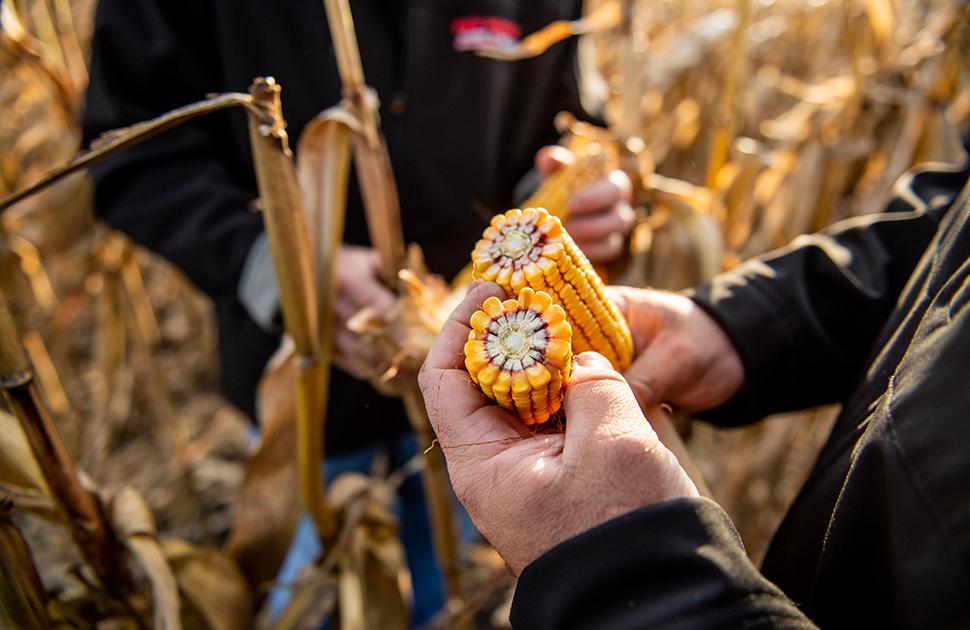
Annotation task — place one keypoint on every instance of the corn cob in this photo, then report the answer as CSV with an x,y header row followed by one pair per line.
x,y
530,248
519,353
554,193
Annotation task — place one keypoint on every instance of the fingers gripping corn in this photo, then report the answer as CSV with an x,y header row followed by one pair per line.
x,y
519,353
530,248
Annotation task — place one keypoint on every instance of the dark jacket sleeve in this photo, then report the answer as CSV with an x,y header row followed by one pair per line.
x,y
804,319
677,564
174,193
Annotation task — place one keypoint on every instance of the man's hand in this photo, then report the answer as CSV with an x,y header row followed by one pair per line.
x,y
600,215
683,357
358,285
525,492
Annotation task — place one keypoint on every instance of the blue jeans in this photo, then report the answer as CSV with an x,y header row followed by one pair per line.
x,y
411,510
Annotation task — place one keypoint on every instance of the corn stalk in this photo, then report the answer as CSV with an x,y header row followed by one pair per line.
x,y
370,150
289,240
384,224
86,521
23,600
726,123
286,229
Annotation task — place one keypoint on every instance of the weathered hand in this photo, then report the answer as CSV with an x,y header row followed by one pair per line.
x,y
683,357
600,215
358,285
525,492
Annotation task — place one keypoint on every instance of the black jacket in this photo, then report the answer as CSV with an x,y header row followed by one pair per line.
x,y
461,131
874,314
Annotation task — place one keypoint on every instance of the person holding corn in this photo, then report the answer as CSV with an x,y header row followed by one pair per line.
x,y
602,524
461,130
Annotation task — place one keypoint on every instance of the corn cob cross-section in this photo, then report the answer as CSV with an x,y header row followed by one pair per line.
x,y
530,248
519,353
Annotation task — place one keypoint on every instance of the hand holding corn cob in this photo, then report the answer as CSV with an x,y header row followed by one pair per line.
x,y
359,286
521,488
683,357
519,350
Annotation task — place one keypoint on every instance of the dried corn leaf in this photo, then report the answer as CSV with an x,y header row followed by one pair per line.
x,y
33,502
312,602
19,42
403,335
17,464
369,569
133,523
605,17
267,507
213,592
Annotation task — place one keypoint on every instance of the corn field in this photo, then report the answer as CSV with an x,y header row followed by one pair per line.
x,y
130,494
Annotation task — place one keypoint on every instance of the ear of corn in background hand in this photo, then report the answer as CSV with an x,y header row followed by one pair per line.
x,y
519,353
530,248
592,162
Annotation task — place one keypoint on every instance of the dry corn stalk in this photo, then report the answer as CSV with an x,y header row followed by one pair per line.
x,y
519,353
23,600
381,205
86,521
286,230
370,150
531,248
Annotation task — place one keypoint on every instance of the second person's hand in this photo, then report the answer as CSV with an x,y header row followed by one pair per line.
x,y
683,357
600,215
358,285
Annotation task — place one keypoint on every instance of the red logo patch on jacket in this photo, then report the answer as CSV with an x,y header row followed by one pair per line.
x,y
477,31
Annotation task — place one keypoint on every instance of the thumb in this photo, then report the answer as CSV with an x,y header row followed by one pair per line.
x,y
599,402
551,158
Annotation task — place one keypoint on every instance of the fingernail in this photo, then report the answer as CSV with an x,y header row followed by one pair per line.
x,y
594,360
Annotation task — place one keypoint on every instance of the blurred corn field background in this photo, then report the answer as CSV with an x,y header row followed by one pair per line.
x,y
748,123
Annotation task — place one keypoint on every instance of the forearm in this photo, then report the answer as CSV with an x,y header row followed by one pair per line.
x,y
804,319
677,564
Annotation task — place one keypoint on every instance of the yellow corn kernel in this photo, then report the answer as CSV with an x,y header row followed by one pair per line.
x,y
554,193
530,248
519,353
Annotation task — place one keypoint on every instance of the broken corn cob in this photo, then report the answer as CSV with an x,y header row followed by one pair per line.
x,y
554,193
530,248
519,353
